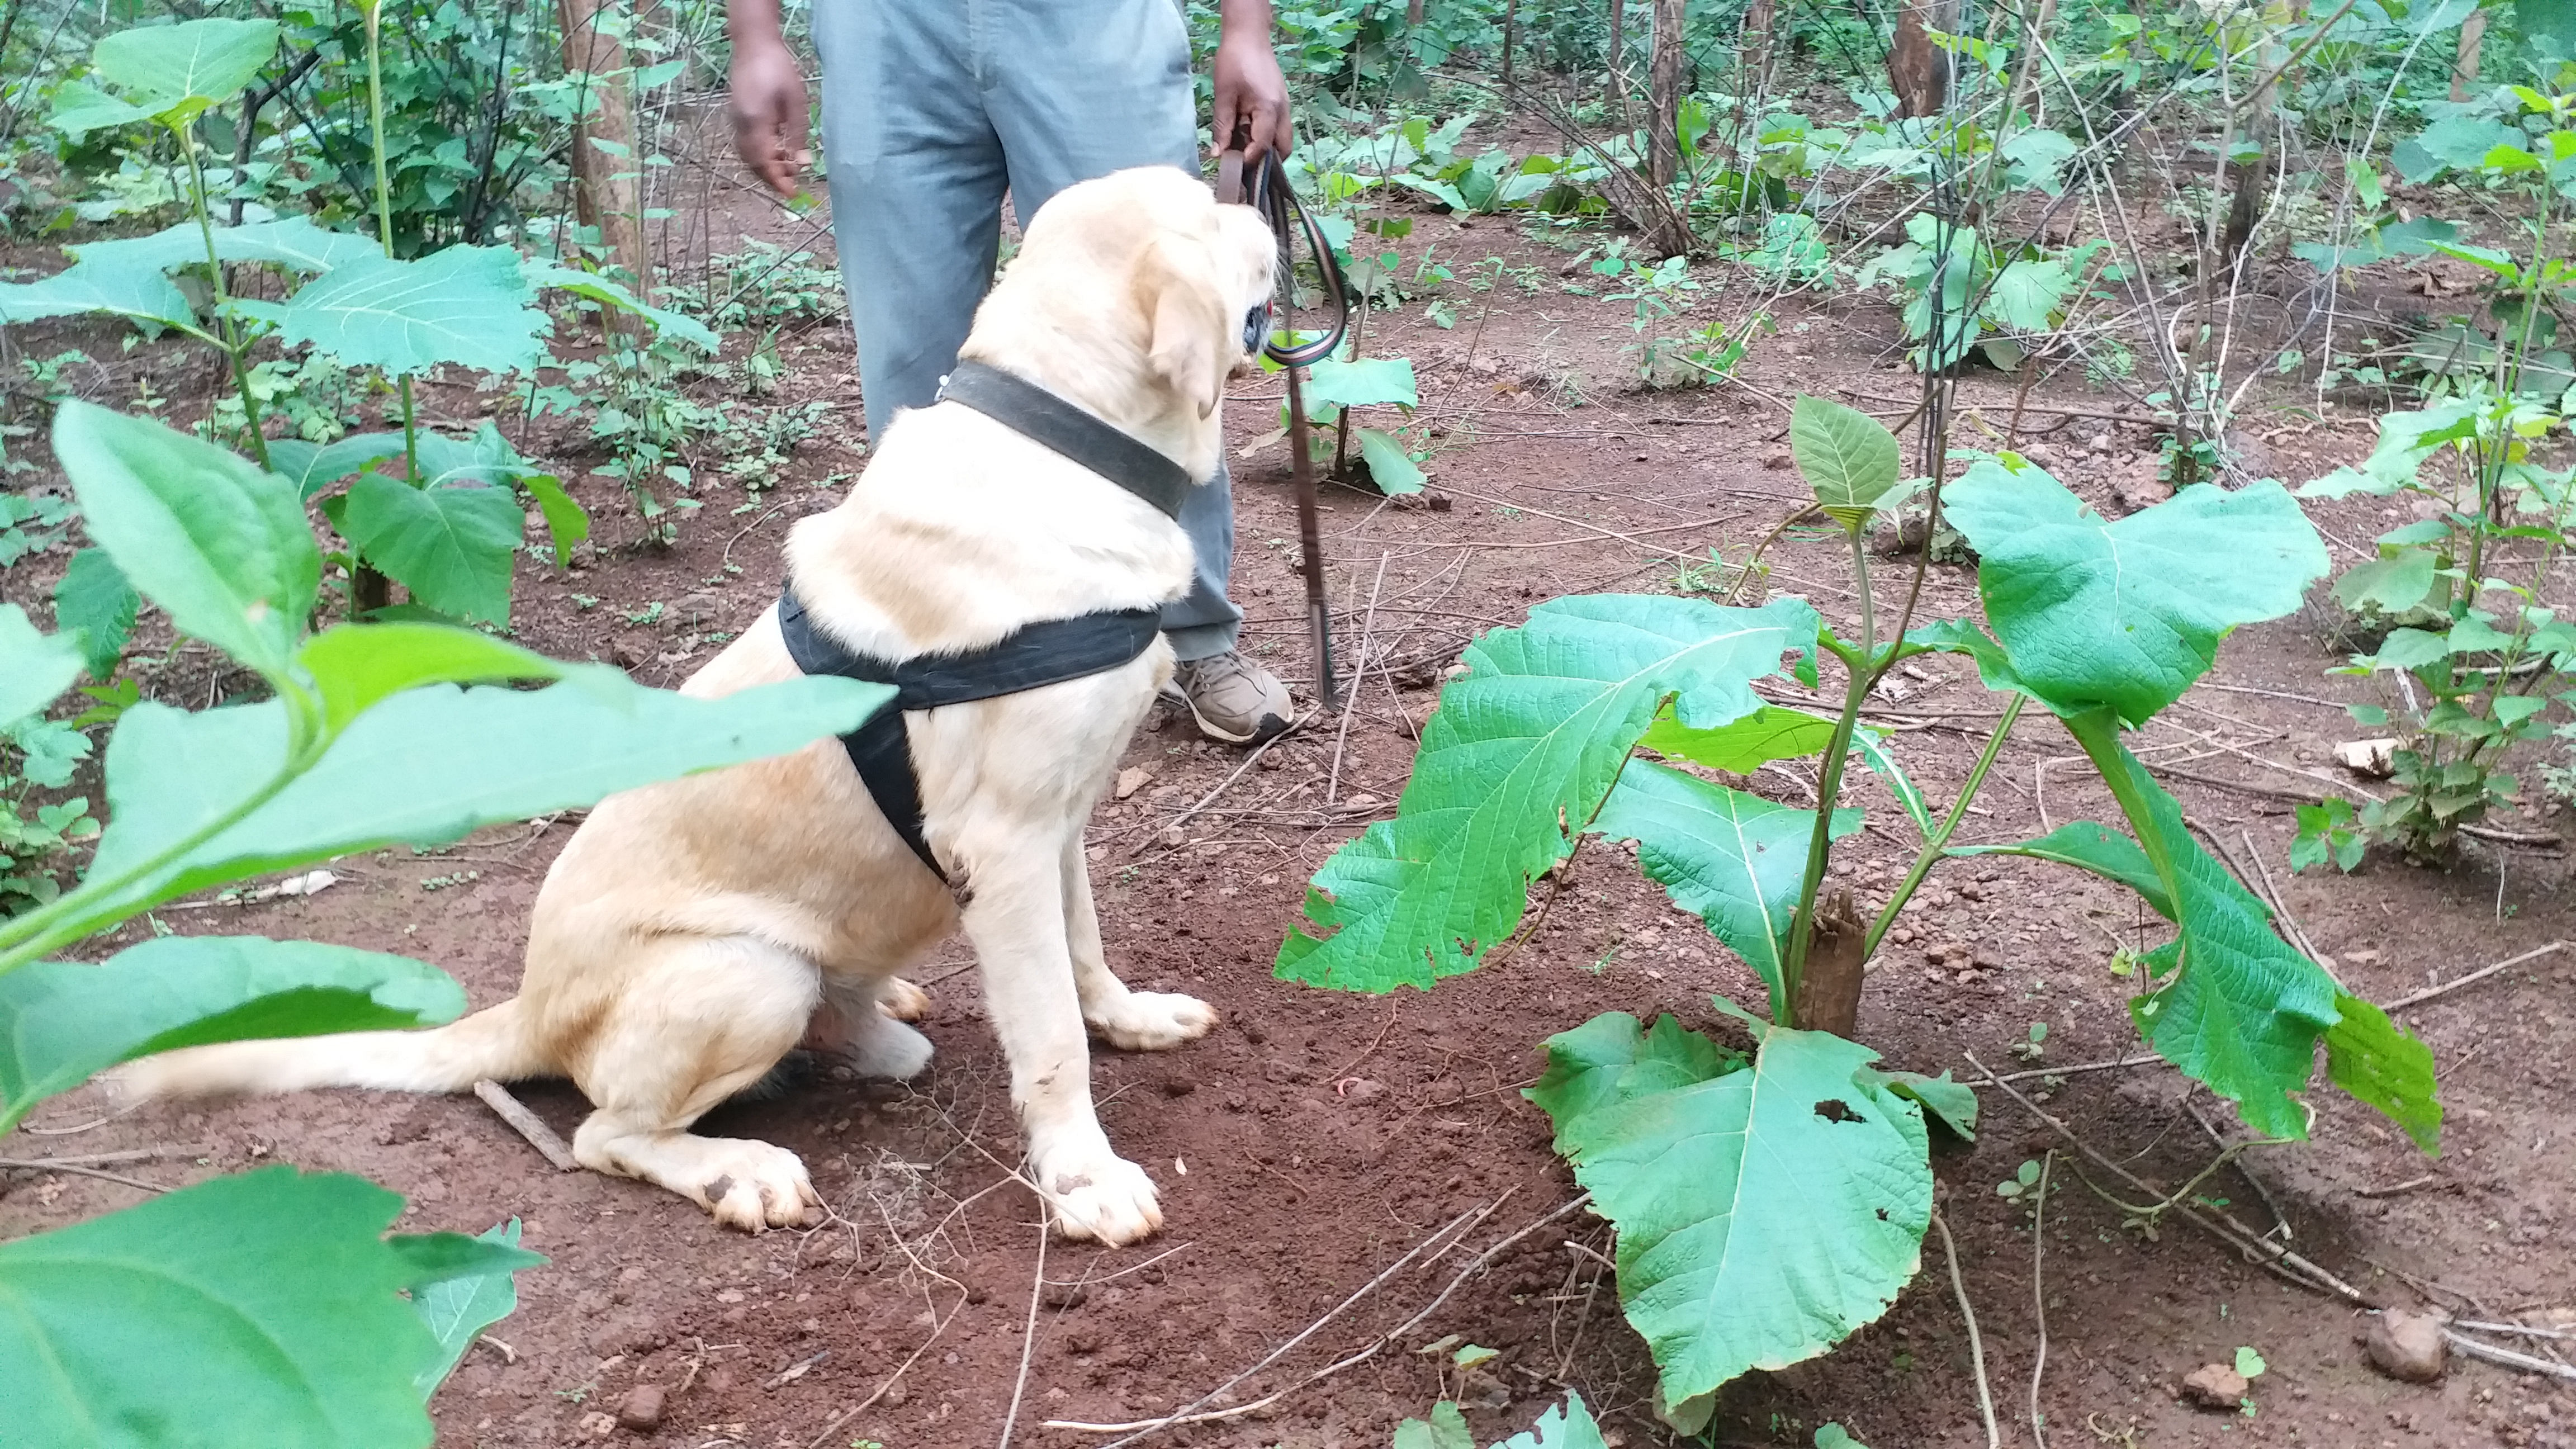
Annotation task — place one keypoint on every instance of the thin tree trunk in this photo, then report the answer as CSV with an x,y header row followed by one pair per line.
x,y
1615,86
1917,70
1829,988
1511,23
1664,96
606,168
1413,14
2464,63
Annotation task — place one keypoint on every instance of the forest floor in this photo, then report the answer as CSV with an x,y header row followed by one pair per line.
x,y
1316,1138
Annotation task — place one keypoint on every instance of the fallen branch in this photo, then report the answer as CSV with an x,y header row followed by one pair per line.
x,y
1227,783
2481,974
2507,1358
528,1124
38,1164
1976,1341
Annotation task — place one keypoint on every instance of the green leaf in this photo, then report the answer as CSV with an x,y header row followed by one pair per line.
x,y
425,767
1369,382
2410,649
1846,456
2089,847
34,667
1610,1059
1734,860
62,1022
609,294
567,523
1564,1426
221,546
312,467
292,242
1882,762
358,666
1835,1436
1955,1103
267,1307
80,108
452,546
2386,1066
2552,21
2390,585
436,1258
1762,1214
1446,1429
94,603
1960,636
138,294
1745,745
465,305
1520,753
2240,1010
1390,467
2249,1363
161,67
457,1310
2126,614
2028,296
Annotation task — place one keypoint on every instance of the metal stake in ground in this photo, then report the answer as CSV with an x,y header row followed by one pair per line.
x,y
1310,541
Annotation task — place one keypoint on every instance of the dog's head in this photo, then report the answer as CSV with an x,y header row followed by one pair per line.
x,y
1139,280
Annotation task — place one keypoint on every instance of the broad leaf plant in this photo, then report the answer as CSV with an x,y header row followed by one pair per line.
x,y
1771,1199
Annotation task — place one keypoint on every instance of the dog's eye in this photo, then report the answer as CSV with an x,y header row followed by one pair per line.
x,y
1256,327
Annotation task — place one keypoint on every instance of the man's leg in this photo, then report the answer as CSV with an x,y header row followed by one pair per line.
x,y
1078,90
916,176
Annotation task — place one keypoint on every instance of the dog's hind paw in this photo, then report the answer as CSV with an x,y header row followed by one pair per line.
x,y
902,1000
1109,1201
1151,1021
886,1047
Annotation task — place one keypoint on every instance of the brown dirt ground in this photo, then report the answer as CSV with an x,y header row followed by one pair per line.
x,y
1316,1137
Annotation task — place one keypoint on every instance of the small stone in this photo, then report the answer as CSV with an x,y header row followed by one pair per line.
x,y
694,611
2214,1386
1360,1089
1439,502
2101,443
2406,1345
597,1426
627,655
2373,759
641,1409
1131,780
1776,461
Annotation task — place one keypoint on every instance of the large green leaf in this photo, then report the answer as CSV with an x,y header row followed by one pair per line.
x,y
1734,860
93,601
457,1309
465,305
2238,1009
2089,847
261,1311
451,545
355,667
163,67
424,767
1763,1213
2391,585
1519,755
1564,1426
2386,1066
1845,455
1745,745
312,467
63,1021
1390,467
220,545
34,667
1368,382
609,294
293,242
2126,614
139,294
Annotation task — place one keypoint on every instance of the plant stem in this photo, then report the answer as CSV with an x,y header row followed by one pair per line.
x,y
1829,784
1930,855
226,338
374,12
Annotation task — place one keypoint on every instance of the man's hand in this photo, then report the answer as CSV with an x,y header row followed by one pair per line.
x,y
770,109
1251,94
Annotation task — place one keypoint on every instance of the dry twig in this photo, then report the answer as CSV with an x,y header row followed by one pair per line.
x,y
2482,973
528,1124
1976,1341
2039,1292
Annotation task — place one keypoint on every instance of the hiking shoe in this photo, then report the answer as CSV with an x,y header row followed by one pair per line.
x,y
1233,699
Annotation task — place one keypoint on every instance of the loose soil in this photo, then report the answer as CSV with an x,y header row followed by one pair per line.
x,y
1316,1138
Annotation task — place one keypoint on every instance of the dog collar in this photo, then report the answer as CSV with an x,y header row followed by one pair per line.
x,y
1042,417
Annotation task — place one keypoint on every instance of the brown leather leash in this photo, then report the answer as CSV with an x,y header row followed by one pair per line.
x,y
1268,192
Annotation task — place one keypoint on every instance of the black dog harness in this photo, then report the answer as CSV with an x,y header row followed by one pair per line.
x,y
1048,652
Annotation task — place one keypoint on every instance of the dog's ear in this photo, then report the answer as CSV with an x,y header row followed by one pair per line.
x,y
1186,327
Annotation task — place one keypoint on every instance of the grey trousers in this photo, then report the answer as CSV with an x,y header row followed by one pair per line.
x,y
932,109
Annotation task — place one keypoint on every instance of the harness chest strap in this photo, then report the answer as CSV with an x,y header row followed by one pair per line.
x,y
1040,654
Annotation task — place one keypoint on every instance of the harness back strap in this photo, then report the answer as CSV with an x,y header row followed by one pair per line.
x,y
1039,415
1049,652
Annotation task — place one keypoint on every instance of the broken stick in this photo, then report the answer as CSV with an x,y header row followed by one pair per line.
x,y
528,1124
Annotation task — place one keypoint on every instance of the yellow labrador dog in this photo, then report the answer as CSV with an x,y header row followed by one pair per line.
x,y
691,931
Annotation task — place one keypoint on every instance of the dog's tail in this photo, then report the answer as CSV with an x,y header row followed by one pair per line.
x,y
499,1042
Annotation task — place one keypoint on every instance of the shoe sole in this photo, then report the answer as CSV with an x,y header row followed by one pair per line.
x,y
1270,727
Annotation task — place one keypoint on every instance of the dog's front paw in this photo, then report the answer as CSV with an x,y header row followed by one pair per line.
x,y
1152,1021
1108,1200
887,1048
902,1000
754,1186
